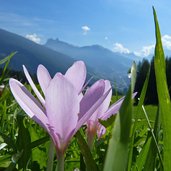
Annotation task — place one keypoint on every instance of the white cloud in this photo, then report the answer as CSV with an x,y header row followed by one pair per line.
x,y
145,51
33,37
149,49
85,29
118,47
166,40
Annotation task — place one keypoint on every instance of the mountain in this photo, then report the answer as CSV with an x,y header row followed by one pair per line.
x,y
106,63
57,56
31,54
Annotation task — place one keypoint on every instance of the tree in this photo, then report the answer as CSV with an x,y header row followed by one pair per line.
x,y
142,70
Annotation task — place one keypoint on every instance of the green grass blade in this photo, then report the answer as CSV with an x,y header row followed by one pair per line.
x,y
139,165
142,97
39,142
4,60
140,103
152,133
23,144
89,161
163,95
154,148
118,149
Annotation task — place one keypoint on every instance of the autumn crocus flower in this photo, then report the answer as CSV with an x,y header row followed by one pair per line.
x,y
63,109
103,112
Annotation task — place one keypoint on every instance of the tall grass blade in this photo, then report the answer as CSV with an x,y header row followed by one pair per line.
x,y
152,133
163,95
118,150
89,161
23,144
139,165
150,163
140,103
5,61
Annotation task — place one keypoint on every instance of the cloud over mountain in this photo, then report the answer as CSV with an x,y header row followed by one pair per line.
x,y
145,51
33,37
118,47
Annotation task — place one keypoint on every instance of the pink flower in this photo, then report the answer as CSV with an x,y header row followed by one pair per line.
x,y
103,112
63,109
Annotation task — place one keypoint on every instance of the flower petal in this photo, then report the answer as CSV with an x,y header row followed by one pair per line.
x,y
91,110
91,96
114,108
43,77
62,105
100,131
105,105
36,91
28,103
76,74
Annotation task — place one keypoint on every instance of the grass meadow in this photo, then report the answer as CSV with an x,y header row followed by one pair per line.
x,y
20,136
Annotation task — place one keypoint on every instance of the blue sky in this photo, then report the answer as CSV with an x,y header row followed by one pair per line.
x,y
120,25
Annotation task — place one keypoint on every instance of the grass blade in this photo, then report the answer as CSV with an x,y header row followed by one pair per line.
x,y
118,150
152,133
150,163
89,161
139,165
4,60
163,95
140,103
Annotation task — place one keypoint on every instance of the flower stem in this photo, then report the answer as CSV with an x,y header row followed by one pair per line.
x,y
50,156
60,164
90,140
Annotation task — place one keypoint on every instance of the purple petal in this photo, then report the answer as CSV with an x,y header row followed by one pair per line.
x,y
36,91
93,108
91,96
105,105
76,74
85,85
43,77
28,103
114,108
62,105
100,131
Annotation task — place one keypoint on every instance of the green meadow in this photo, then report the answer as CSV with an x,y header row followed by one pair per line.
x,y
22,140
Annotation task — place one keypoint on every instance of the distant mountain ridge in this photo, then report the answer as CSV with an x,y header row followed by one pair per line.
x,y
57,56
106,63
31,54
